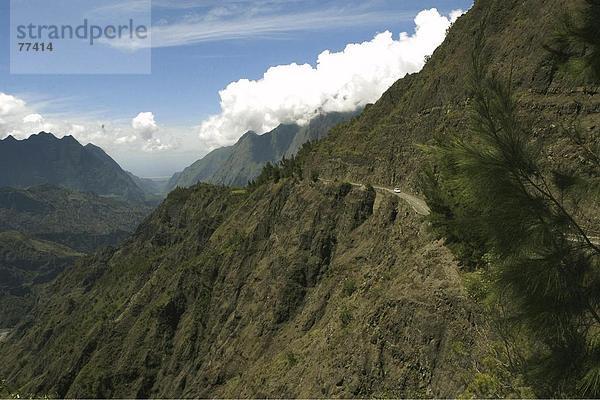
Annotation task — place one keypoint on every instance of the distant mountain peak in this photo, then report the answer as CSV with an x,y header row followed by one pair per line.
x,y
243,161
249,134
44,158
70,138
45,134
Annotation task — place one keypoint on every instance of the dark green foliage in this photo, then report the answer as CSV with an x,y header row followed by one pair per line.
x,y
286,168
178,196
491,193
213,277
6,392
269,173
290,167
346,317
314,176
576,43
449,215
349,287
399,331
25,264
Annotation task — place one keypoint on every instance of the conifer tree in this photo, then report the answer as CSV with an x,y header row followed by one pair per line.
x,y
491,193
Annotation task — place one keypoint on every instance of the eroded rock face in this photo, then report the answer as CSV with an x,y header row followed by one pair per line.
x,y
299,289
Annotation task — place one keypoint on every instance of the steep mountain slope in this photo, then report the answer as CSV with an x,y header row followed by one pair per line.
x,y
82,221
238,164
40,227
298,289
202,170
45,159
252,152
318,128
379,146
24,264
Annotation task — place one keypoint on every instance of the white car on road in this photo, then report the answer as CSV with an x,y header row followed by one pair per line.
x,y
397,190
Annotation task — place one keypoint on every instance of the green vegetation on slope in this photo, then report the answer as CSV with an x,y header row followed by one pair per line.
x,y
296,289
24,264
576,43
380,145
242,162
529,223
38,228
82,221
305,288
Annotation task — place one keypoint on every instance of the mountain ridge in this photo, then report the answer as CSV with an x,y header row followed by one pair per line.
x,y
379,146
44,230
238,164
45,159
214,265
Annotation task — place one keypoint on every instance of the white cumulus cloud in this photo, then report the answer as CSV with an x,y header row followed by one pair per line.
x,y
126,139
77,129
33,119
340,81
21,119
145,125
10,104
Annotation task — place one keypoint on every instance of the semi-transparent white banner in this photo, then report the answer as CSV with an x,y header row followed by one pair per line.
x,y
80,37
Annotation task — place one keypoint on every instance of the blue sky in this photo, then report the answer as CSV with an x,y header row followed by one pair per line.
x,y
187,74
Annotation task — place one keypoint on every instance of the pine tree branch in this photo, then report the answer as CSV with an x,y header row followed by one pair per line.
x,y
593,312
564,212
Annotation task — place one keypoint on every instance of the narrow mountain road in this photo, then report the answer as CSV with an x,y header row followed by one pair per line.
x,y
418,205
421,207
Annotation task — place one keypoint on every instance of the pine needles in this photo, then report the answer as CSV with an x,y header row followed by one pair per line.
x,y
490,194
576,43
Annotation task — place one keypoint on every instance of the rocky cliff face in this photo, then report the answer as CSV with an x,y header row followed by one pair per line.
x,y
298,289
